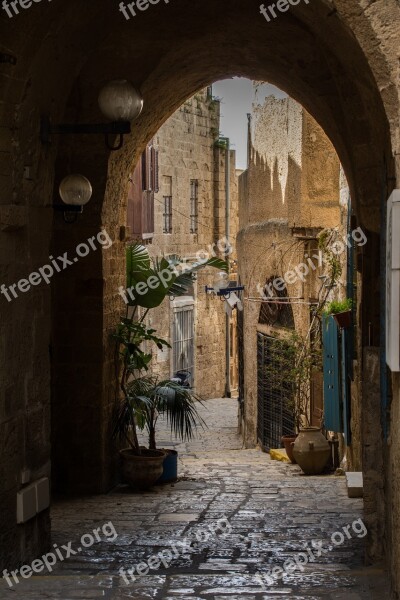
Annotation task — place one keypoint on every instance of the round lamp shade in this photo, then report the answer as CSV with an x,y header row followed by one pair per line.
x,y
221,281
75,190
120,101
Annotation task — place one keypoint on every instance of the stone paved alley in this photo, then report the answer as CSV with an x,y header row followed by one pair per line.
x,y
273,510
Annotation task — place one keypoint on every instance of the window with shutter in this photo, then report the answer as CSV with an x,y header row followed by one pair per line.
x,y
140,211
149,169
144,170
154,167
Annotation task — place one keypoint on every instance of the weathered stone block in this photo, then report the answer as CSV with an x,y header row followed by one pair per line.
x,y
354,481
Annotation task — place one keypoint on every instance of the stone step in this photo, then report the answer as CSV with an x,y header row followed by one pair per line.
x,y
354,482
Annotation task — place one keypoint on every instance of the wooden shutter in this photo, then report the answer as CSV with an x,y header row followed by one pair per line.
x,y
148,215
154,170
135,200
144,169
140,213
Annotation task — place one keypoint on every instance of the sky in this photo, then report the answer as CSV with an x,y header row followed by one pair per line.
x,y
237,96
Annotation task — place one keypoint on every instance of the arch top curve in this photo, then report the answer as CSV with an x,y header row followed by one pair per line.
x,y
334,60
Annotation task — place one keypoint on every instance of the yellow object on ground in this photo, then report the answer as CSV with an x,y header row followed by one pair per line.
x,y
279,454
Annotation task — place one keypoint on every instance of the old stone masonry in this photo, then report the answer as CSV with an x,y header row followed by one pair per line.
x,y
224,531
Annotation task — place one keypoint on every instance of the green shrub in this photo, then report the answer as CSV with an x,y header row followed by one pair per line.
x,y
335,307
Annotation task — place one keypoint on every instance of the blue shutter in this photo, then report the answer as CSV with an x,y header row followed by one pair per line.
x,y
332,380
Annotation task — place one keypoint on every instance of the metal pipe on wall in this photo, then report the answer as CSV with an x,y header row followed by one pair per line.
x,y
228,393
227,235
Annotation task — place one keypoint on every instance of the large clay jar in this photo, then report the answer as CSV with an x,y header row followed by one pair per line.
x,y
141,472
311,450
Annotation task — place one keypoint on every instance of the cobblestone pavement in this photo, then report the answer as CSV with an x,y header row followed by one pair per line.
x,y
274,513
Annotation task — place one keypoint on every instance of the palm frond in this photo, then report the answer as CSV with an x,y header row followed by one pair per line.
x,y
182,284
179,406
137,262
124,420
216,263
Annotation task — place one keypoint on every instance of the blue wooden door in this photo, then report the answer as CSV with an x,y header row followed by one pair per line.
x,y
332,379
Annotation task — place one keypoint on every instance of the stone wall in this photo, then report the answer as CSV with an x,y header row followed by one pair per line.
x,y
188,151
389,499
290,189
373,460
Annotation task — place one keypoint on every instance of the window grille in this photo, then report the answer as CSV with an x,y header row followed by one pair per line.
x,y
183,339
194,209
167,216
274,393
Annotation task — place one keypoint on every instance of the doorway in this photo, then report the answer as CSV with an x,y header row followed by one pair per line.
x,y
183,336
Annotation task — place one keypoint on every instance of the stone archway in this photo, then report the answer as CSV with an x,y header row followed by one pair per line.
x,y
339,62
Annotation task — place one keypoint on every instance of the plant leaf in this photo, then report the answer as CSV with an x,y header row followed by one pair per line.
x,y
137,263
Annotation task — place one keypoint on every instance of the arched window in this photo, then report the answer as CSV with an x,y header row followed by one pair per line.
x,y
276,308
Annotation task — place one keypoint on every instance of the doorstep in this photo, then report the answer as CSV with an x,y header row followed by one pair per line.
x,y
354,482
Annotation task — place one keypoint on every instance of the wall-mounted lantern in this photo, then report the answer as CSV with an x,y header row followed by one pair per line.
x,y
222,288
119,101
75,191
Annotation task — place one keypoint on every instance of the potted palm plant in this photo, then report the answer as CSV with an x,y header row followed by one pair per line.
x,y
141,467
141,400
174,402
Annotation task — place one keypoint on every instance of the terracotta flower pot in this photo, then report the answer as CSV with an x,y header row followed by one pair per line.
x,y
141,472
343,319
288,442
311,450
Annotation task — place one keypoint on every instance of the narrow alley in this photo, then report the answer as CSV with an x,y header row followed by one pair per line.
x,y
198,202
267,512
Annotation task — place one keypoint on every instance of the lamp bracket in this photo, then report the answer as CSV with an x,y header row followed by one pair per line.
x,y
68,208
70,211
47,129
225,293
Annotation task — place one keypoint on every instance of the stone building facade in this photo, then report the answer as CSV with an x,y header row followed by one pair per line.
x,y
289,194
189,221
340,60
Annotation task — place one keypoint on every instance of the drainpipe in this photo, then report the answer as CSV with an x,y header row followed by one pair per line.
x,y
384,387
228,393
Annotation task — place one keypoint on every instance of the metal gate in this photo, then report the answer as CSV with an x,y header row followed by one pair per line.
x,y
275,417
183,339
